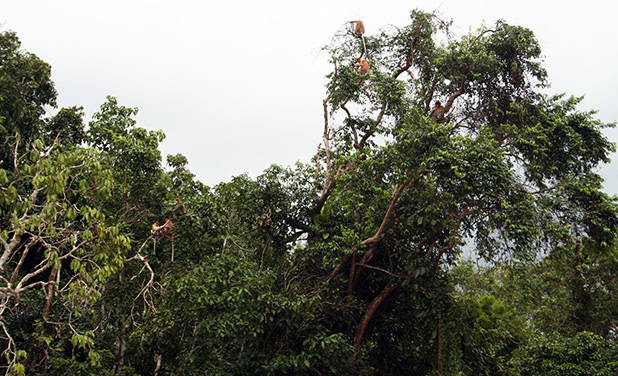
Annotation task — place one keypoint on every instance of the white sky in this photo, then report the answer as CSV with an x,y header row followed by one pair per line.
x,y
238,85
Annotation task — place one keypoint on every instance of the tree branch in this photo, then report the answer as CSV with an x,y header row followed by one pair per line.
x,y
383,271
373,307
376,237
354,133
370,132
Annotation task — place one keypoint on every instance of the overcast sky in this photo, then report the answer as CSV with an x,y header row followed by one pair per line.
x,y
238,85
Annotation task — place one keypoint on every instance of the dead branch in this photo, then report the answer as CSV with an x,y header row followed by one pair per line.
x,y
146,288
325,138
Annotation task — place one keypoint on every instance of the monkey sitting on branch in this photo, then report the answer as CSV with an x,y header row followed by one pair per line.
x,y
163,231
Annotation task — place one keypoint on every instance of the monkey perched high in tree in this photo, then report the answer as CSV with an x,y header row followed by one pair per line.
x,y
359,30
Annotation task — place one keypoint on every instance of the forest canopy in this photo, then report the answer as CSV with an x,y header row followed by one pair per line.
x,y
450,223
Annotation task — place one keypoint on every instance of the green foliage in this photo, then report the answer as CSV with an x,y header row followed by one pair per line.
x,y
583,354
348,265
25,88
238,322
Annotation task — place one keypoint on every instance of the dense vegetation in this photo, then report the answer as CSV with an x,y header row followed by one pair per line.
x,y
473,243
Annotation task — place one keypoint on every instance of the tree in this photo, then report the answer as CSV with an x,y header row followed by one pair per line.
x,y
403,191
25,88
54,237
61,237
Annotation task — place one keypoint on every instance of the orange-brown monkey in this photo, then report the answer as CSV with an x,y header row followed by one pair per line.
x,y
359,27
166,232
362,66
163,231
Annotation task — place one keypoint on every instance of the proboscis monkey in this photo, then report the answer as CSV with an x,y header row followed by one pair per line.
x,y
168,226
163,231
362,66
437,112
359,27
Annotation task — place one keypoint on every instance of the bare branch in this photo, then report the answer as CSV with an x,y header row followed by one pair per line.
x,y
8,248
326,144
146,288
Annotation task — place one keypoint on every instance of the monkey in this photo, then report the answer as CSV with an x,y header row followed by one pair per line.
x,y
437,112
168,226
181,210
155,227
359,27
362,66
163,231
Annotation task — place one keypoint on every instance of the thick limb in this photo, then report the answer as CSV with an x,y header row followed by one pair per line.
x,y
370,313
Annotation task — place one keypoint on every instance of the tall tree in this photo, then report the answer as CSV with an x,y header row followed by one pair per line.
x,y
444,140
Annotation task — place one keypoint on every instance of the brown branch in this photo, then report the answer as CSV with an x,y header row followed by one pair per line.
x,y
370,132
373,307
351,275
337,269
328,188
455,95
50,293
473,42
410,59
376,237
366,258
239,247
